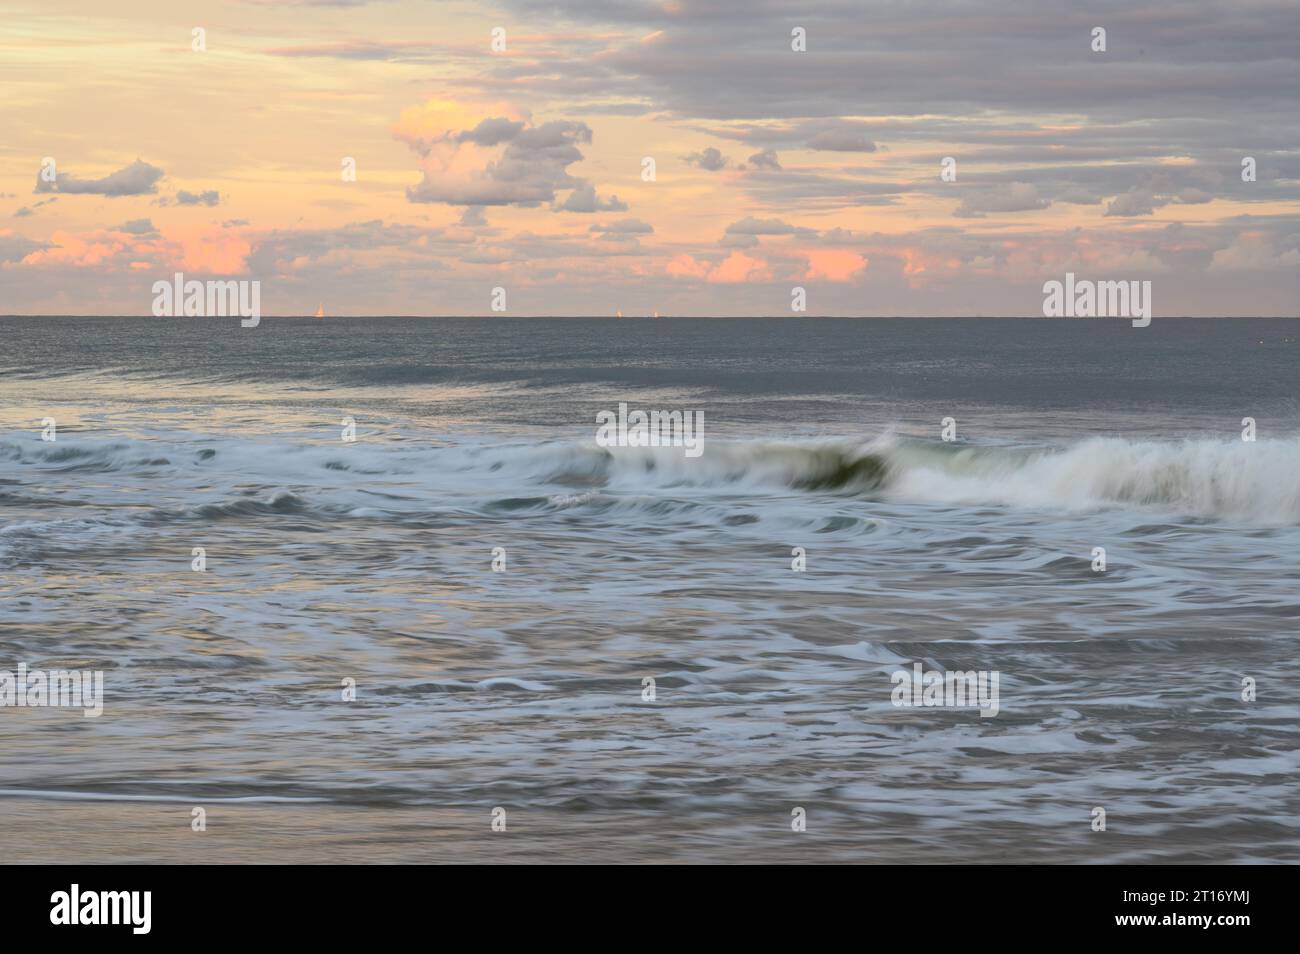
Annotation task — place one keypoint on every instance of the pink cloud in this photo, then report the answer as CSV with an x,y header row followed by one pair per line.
x,y
834,265
739,267
214,251
684,266
85,250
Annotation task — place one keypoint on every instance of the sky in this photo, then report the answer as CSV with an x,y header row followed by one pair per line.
x,y
508,145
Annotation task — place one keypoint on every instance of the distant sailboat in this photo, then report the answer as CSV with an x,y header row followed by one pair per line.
x,y
656,314
320,310
619,313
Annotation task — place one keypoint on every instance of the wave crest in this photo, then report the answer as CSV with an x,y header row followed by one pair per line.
x,y
1258,481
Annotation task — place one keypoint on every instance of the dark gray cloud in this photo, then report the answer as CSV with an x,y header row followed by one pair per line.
x,y
584,199
210,197
993,80
139,178
753,226
841,141
767,159
493,132
709,159
732,58
137,227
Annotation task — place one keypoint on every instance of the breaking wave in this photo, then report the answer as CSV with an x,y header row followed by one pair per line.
x,y
1258,482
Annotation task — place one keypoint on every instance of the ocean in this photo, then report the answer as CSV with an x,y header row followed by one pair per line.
x,y
563,651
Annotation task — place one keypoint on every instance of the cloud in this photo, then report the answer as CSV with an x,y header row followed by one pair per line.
x,y
1011,197
745,232
14,247
625,226
139,178
709,159
841,141
1257,250
1037,122
288,251
137,227
103,249
394,51
1244,265
834,265
1078,195
685,266
25,211
752,226
1192,80
497,159
584,199
494,131
211,197
1136,202
1144,200
739,267
1176,57
214,252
